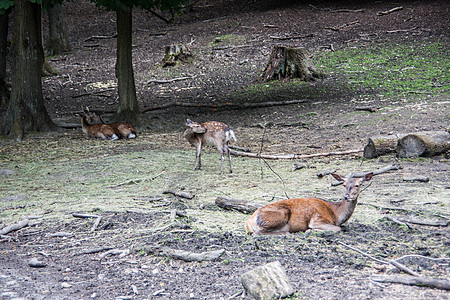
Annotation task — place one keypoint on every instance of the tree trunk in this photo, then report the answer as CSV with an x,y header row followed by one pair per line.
x,y
26,110
58,42
128,109
424,144
4,91
380,145
286,63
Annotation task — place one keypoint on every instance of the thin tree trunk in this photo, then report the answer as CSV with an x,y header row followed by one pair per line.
x,y
26,110
58,42
128,109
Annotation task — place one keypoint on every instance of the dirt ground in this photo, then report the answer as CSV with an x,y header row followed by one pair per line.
x,y
58,174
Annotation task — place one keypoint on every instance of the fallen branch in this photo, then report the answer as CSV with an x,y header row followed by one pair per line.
x,y
238,205
387,12
161,81
180,194
78,215
404,221
121,253
376,172
100,37
292,37
97,221
325,173
442,284
294,156
366,108
180,254
94,250
14,227
392,262
223,105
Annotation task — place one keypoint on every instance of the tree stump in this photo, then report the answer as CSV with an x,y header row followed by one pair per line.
x,y
380,145
423,144
175,53
286,63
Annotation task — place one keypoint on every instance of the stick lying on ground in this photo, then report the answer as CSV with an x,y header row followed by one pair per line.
x,y
14,227
442,284
293,156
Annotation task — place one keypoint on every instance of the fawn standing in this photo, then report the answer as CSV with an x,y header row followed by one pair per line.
x,y
212,133
293,215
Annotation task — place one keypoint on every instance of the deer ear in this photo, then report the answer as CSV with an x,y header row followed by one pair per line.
x,y
368,176
337,177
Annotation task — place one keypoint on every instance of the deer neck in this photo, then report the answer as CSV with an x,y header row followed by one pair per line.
x,y
344,210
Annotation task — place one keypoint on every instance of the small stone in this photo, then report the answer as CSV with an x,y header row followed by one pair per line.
x,y
36,263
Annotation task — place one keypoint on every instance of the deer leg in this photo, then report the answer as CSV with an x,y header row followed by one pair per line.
x,y
198,154
227,151
325,227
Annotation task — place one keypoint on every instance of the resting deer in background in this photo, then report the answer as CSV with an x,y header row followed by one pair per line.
x,y
99,131
211,133
126,130
293,215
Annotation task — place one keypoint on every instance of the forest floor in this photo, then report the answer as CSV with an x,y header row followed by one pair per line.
x,y
396,63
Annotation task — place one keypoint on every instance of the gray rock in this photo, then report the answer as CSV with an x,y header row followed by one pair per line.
x,y
267,282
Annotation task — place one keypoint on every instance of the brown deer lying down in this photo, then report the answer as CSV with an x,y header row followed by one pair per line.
x,y
212,133
293,215
99,131
126,130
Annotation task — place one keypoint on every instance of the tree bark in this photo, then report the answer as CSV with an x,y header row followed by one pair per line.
x,y
26,110
58,42
380,145
128,109
424,144
4,91
286,63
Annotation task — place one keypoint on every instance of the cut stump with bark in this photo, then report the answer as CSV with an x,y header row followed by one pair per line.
x,y
287,63
175,53
381,145
427,144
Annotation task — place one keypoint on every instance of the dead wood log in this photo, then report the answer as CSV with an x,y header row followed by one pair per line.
x,y
416,178
287,63
180,194
176,53
14,227
427,144
238,205
381,145
223,105
442,284
294,156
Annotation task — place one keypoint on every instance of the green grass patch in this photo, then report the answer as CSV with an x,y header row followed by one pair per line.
x,y
407,69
